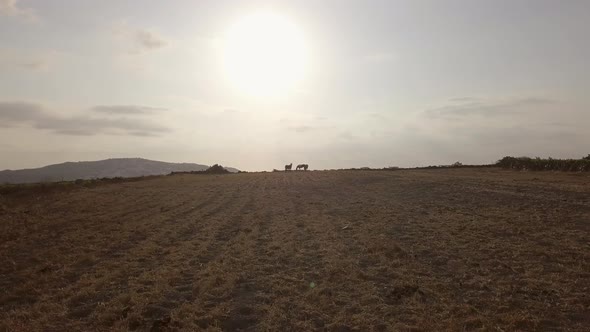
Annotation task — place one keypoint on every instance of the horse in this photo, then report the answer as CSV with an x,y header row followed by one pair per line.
x,y
300,166
288,167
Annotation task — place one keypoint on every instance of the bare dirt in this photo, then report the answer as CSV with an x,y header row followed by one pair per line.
x,y
432,250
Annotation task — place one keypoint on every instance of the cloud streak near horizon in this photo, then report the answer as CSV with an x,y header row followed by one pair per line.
x,y
14,114
126,109
469,106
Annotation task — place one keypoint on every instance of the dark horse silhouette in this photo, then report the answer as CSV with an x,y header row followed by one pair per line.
x,y
302,166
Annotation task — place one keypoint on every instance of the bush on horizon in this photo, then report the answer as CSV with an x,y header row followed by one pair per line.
x,y
549,164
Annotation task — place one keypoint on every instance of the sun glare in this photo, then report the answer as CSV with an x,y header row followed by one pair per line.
x,y
264,55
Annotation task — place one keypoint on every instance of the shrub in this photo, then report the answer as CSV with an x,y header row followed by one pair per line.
x,y
549,164
216,169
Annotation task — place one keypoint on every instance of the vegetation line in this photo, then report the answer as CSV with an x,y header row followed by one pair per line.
x,y
549,164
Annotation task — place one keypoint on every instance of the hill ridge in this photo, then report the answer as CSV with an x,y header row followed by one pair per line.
x,y
105,168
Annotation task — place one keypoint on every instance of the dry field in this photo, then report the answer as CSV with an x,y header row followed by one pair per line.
x,y
432,250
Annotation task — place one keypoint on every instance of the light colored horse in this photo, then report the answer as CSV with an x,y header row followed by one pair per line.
x,y
288,167
302,166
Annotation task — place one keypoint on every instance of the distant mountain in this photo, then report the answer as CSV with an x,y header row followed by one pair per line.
x,y
110,168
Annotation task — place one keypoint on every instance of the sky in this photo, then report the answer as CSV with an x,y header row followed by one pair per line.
x,y
379,83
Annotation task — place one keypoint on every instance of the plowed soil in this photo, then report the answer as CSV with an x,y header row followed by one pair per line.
x,y
433,250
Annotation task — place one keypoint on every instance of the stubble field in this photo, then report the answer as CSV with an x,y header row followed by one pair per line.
x,y
432,250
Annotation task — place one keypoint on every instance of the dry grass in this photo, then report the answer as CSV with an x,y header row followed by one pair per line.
x,y
457,249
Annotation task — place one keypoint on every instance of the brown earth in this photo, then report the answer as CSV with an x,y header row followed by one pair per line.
x,y
458,249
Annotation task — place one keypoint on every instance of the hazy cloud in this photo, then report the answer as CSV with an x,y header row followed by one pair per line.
x,y
126,109
520,133
39,64
75,132
27,60
464,99
11,8
473,130
19,111
302,128
347,135
149,39
140,39
143,134
378,116
230,111
467,107
22,113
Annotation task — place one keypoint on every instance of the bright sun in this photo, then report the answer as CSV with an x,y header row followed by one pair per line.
x,y
264,55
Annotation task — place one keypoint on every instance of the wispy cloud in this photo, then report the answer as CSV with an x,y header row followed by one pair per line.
x,y
126,109
230,111
301,128
464,99
14,112
12,8
37,64
75,132
149,40
378,116
36,116
347,135
469,107
27,60
473,129
143,134
139,40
